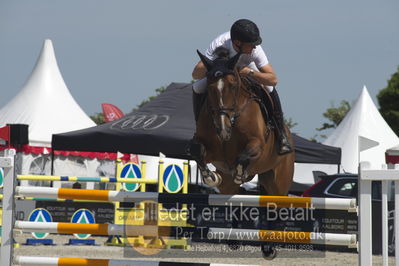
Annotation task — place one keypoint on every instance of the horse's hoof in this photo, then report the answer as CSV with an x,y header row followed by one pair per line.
x,y
268,252
238,181
213,181
240,175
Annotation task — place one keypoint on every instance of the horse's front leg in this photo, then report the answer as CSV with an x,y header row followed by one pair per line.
x,y
198,151
252,152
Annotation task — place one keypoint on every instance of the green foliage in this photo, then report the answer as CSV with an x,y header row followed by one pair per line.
x,y
314,138
157,92
388,99
98,118
290,123
335,115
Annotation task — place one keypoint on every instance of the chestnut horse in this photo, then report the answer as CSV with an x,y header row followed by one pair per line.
x,y
234,137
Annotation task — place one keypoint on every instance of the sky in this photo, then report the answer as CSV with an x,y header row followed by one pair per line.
x,y
120,51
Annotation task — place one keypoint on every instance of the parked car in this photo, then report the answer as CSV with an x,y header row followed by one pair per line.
x,y
346,186
340,186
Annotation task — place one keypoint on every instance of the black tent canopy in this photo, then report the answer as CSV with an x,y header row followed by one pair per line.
x,y
166,124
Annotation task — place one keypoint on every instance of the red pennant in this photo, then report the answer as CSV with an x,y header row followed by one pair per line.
x,y
134,158
111,112
5,133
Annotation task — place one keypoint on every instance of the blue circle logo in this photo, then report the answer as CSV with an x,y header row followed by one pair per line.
x,y
131,170
40,215
173,178
83,216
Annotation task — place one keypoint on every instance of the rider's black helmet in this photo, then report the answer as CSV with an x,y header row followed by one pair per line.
x,y
245,30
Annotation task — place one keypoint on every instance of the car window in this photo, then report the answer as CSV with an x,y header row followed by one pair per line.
x,y
342,187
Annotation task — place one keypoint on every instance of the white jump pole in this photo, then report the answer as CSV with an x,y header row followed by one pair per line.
x,y
364,215
384,210
7,238
364,221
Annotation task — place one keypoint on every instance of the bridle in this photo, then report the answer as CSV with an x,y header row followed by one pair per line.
x,y
228,111
233,111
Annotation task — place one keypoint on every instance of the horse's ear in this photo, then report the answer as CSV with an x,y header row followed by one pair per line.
x,y
233,61
207,62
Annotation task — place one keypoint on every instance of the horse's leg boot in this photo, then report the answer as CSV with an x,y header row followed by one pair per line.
x,y
196,150
278,119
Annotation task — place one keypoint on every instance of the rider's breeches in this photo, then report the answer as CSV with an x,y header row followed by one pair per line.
x,y
199,86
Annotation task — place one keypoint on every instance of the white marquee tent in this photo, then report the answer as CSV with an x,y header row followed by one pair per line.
x,y
47,106
365,120
45,103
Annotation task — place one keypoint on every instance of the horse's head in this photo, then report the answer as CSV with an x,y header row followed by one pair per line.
x,y
223,89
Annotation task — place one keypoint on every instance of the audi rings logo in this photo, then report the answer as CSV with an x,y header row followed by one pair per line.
x,y
146,122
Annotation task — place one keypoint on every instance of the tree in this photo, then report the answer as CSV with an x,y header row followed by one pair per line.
x,y
335,115
290,123
157,92
98,118
388,99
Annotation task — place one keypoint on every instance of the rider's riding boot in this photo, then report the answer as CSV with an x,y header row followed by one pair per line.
x,y
278,118
195,149
198,100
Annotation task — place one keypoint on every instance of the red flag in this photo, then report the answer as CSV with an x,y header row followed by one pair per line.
x,y
128,158
111,112
134,158
5,133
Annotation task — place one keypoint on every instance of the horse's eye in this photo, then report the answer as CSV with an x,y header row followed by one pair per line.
x,y
218,74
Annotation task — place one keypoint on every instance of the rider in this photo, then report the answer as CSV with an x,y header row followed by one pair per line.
x,y
244,38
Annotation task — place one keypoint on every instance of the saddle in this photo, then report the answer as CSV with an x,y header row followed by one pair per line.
x,y
264,100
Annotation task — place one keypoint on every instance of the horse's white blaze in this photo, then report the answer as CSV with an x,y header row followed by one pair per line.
x,y
220,86
221,123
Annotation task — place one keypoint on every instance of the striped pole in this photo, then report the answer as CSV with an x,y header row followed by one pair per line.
x,y
209,200
86,179
194,233
58,200
49,261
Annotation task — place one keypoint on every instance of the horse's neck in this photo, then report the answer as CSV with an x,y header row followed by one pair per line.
x,y
245,95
